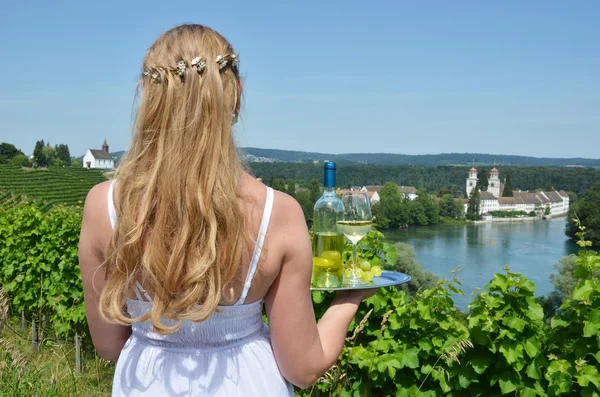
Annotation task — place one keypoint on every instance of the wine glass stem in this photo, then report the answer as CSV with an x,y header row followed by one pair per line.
x,y
354,261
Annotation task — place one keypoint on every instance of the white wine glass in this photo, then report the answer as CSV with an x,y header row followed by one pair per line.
x,y
355,224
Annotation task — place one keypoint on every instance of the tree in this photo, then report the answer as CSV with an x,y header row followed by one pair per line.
x,y
406,263
63,153
508,188
20,159
587,209
482,182
279,184
291,189
459,208
8,150
49,155
315,191
391,210
547,210
38,154
303,198
473,208
76,163
453,190
418,212
447,207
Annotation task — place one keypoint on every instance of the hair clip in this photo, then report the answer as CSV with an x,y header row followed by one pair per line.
x,y
221,61
181,68
199,63
234,60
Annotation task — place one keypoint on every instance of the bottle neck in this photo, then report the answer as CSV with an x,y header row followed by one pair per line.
x,y
329,179
329,191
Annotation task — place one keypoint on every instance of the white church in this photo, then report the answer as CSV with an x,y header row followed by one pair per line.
x,y
492,200
99,158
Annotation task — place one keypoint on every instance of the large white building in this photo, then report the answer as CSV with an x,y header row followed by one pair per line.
x,y
492,200
99,158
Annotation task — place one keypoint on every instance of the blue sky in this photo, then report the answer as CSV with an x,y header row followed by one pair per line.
x,y
508,77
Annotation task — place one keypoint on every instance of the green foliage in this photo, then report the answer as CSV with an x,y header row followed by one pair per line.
x,y
565,281
40,268
8,152
63,153
52,186
508,188
50,156
420,345
76,163
394,210
279,184
507,329
38,154
575,341
451,207
420,279
315,191
547,210
473,208
20,160
482,182
508,214
586,209
572,179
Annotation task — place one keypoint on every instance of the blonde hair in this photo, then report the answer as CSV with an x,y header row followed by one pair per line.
x,y
180,229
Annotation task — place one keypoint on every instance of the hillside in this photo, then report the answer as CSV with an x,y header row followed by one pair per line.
x,y
46,187
423,160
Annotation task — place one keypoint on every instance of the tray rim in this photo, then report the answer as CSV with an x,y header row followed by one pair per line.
x,y
359,287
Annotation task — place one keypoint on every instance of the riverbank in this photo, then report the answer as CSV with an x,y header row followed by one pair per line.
x,y
494,219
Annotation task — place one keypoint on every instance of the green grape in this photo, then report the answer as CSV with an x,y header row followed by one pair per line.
x,y
376,271
367,276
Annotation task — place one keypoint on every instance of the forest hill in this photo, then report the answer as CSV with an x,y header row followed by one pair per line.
x,y
440,179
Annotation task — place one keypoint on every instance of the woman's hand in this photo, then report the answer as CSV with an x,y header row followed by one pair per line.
x,y
355,295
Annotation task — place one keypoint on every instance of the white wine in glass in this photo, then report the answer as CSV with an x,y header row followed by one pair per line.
x,y
355,224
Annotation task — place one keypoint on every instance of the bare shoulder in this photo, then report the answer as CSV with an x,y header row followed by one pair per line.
x,y
98,192
96,201
286,209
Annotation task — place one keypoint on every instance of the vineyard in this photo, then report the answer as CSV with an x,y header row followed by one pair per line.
x,y
46,188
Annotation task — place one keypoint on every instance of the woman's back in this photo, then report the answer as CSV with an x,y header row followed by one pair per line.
x,y
174,286
227,354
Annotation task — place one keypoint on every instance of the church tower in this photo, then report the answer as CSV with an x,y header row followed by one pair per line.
x,y
472,180
105,146
494,182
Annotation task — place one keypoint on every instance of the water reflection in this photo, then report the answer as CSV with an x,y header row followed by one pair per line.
x,y
530,248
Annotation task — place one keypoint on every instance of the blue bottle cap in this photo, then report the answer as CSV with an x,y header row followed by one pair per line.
x,y
329,180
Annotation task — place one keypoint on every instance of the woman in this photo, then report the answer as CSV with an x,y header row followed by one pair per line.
x,y
180,251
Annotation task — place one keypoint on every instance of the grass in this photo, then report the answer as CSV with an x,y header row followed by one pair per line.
x,y
49,372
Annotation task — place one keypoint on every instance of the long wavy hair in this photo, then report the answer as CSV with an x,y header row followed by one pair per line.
x,y
180,230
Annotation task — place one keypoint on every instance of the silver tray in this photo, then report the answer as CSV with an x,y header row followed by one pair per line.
x,y
387,279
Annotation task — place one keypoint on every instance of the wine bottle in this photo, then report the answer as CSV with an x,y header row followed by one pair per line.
x,y
328,242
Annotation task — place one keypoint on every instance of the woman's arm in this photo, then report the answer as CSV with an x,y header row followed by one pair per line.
x,y
304,350
96,231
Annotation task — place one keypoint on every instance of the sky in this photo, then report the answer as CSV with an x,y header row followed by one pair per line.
x,y
426,77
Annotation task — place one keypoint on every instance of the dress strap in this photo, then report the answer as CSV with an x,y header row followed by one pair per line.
x,y
137,289
264,225
112,212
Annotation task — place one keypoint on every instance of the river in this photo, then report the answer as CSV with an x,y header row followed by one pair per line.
x,y
529,248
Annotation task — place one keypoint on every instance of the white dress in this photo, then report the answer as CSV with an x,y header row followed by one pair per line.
x,y
229,354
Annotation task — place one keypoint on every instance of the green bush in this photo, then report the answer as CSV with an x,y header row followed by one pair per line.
x,y
423,346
